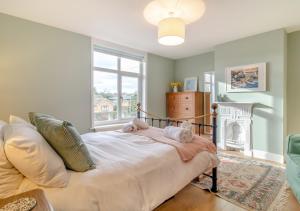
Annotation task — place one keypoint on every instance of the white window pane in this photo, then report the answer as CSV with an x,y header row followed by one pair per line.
x,y
130,65
212,94
207,78
105,97
129,96
212,78
105,61
207,88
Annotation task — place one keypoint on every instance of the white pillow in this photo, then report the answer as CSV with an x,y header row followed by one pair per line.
x,y
29,152
18,120
187,125
129,127
140,123
2,124
10,177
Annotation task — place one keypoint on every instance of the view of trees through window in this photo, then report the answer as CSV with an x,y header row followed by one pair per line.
x,y
116,87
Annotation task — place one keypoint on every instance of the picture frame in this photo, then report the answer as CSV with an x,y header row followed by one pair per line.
x,y
191,84
246,78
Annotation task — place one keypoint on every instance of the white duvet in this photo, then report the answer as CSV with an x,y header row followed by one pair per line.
x,y
134,173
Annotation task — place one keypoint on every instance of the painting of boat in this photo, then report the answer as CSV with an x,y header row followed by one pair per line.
x,y
246,78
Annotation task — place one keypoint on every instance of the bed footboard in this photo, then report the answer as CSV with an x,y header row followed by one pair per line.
x,y
167,121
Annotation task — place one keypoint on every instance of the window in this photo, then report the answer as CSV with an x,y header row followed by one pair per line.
x,y
117,86
209,84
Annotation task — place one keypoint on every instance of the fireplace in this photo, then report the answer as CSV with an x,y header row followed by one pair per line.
x,y
235,127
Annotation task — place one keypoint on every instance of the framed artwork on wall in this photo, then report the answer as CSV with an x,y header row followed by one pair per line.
x,y
247,78
191,84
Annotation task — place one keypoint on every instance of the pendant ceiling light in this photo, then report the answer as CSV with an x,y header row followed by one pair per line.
x,y
171,16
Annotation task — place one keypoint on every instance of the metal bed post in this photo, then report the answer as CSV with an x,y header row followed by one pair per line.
x,y
214,187
138,114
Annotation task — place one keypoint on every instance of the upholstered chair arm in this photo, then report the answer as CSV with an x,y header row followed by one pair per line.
x,y
293,144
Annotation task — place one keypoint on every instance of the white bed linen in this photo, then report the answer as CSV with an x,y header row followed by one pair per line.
x,y
133,173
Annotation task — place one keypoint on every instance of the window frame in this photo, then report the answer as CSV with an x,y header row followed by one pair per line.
x,y
140,76
211,84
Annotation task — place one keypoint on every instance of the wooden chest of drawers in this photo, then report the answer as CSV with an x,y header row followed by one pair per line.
x,y
188,104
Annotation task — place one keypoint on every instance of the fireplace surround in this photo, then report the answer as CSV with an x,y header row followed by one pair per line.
x,y
235,126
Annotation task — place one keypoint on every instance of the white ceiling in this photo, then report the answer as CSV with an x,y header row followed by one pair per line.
x,y
122,21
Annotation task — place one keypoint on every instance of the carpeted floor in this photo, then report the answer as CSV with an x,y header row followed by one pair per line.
x,y
249,183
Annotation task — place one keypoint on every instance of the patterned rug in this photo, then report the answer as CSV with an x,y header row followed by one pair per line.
x,y
248,183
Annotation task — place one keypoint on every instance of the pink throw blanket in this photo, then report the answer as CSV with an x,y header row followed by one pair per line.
x,y
186,151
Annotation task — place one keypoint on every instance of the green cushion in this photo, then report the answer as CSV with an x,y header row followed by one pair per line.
x,y
65,140
32,116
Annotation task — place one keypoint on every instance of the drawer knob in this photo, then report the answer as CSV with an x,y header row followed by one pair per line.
x,y
186,108
186,98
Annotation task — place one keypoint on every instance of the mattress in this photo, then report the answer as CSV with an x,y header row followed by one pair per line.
x,y
133,173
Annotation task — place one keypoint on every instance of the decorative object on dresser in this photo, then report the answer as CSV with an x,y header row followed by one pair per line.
x,y
249,78
191,84
175,85
42,203
189,104
235,127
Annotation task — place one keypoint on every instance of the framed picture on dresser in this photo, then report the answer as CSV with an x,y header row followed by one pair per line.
x,y
191,84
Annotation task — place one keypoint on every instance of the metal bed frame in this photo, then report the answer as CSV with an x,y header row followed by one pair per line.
x,y
167,122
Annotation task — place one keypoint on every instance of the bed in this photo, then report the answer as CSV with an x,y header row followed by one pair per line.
x,y
133,173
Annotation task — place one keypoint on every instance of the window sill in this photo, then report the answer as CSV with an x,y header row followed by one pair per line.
x,y
109,127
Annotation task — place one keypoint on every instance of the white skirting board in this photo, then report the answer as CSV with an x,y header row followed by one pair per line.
x,y
268,156
263,155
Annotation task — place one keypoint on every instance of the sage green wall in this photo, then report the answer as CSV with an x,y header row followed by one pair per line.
x,y
160,72
194,66
293,83
269,119
268,124
48,70
44,69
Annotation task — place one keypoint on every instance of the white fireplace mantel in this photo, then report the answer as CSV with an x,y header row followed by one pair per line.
x,y
236,125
